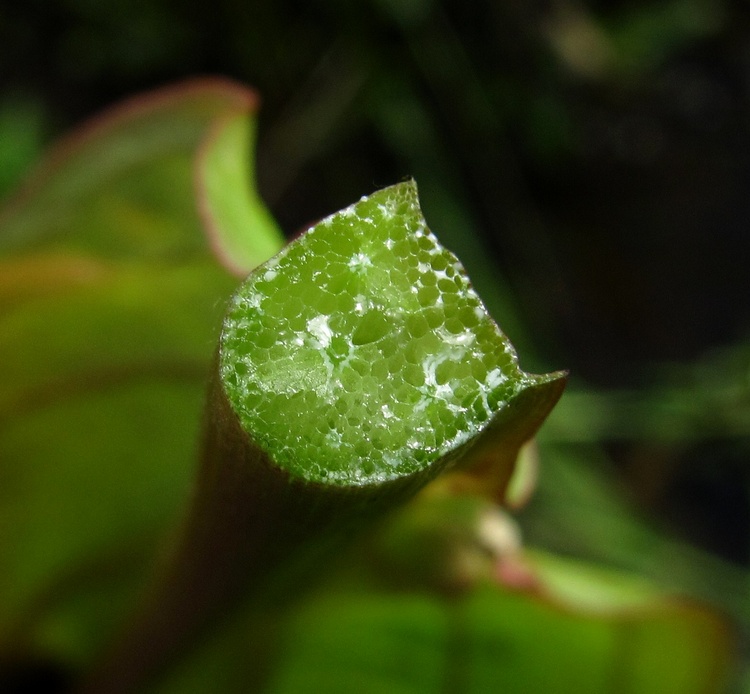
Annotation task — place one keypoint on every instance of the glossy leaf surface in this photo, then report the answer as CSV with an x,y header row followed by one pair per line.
x,y
361,353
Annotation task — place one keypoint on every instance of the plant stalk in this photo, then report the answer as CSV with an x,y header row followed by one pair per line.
x,y
247,518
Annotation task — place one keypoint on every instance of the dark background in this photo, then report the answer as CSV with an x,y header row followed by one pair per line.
x,y
589,162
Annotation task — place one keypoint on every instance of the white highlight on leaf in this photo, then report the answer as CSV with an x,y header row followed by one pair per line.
x,y
318,327
359,262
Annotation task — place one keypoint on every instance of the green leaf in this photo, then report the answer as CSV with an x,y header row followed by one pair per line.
x,y
572,628
361,354
123,186
241,229
366,643
392,616
524,643
111,297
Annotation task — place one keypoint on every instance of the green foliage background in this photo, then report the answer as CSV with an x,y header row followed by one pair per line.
x,y
588,163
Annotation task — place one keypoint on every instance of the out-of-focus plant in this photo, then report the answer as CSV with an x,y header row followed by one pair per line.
x,y
348,567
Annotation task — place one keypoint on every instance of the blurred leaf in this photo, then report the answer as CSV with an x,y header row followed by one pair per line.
x,y
647,35
110,304
579,508
365,643
442,599
631,639
629,42
21,137
241,229
706,399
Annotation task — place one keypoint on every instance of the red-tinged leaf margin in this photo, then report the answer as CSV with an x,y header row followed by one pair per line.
x,y
223,97
256,222
715,629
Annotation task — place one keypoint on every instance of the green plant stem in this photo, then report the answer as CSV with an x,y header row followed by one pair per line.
x,y
353,367
248,517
